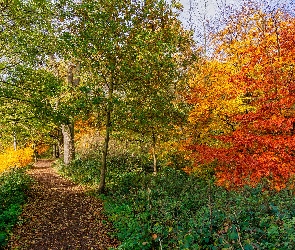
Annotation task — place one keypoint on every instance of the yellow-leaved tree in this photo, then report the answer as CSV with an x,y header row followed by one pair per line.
x,y
15,158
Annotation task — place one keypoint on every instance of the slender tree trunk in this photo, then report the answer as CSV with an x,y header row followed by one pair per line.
x,y
154,154
35,152
55,150
69,146
59,144
59,149
14,141
68,129
103,169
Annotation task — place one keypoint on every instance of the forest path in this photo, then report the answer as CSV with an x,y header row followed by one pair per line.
x,y
60,216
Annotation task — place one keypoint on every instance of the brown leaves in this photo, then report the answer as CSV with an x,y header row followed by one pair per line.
x,y
60,216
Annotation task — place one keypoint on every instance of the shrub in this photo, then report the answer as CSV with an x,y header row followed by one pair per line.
x,y
13,187
16,158
81,171
174,210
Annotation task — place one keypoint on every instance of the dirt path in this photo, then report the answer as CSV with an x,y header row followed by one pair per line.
x,y
60,216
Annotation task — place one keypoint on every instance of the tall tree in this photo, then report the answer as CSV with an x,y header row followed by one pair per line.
x,y
25,85
33,73
115,41
260,143
159,56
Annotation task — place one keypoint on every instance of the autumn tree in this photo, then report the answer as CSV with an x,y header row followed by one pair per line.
x,y
255,140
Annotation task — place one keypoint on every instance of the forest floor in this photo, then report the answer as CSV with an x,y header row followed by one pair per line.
x,y
59,215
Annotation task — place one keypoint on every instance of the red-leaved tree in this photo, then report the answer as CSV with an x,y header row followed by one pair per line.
x,y
261,142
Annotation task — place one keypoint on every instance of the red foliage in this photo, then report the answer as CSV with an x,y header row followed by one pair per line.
x,y
263,142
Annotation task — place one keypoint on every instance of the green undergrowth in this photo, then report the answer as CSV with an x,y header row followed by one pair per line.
x,y
13,186
173,210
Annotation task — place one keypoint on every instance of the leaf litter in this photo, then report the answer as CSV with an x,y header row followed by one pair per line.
x,y
59,216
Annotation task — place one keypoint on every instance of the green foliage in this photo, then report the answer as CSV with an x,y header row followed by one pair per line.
x,y
81,171
87,171
173,210
13,187
177,211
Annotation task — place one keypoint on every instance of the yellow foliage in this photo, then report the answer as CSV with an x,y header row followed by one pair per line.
x,y
15,158
215,97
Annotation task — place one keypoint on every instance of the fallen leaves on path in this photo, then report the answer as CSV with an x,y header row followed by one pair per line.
x,y
59,216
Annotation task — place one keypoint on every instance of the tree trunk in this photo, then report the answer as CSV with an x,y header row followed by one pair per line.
x,y
59,143
103,169
154,154
68,129
14,141
55,150
35,152
60,147
69,147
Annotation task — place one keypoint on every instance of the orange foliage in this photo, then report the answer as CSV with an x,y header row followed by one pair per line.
x,y
84,127
42,148
19,158
260,143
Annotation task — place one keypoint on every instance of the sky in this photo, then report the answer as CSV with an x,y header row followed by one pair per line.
x,y
204,12
201,9
209,8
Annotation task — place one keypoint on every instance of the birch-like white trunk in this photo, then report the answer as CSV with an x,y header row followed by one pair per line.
x,y
69,146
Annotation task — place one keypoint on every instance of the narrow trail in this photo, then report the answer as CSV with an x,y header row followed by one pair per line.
x,y
60,216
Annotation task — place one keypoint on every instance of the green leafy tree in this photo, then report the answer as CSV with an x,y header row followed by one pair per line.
x,y
23,37
159,52
129,49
